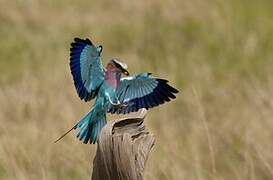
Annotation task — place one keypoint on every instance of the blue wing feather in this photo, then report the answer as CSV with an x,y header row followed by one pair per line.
x,y
86,68
142,91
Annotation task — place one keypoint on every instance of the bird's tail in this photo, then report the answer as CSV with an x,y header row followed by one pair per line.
x,y
89,126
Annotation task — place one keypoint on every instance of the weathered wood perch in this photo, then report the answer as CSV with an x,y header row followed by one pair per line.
x,y
123,149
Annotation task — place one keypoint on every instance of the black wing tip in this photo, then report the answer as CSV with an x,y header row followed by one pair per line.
x,y
169,87
79,40
88,41
175,91
162,80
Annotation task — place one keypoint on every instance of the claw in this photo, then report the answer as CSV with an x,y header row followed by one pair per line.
x,y
119,104
124,104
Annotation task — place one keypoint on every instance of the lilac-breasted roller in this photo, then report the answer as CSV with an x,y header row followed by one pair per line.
x,y
114,93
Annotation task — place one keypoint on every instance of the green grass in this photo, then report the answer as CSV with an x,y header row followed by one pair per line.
x,y
217,53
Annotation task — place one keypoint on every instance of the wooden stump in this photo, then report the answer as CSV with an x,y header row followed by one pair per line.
x,y
123,149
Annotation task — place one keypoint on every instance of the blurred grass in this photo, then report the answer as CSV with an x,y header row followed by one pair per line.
x,y
218,53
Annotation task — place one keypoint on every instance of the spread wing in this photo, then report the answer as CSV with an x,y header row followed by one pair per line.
x,y
86,68
142,91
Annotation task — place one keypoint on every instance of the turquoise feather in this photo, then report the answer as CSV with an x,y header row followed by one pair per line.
x,y
91,80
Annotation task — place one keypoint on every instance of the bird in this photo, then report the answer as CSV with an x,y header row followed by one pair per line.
x,y
113,89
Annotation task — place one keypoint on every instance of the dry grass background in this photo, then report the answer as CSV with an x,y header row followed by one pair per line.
x,y
218,53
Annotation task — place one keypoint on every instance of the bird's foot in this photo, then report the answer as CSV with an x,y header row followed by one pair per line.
x,y
124,104
119,104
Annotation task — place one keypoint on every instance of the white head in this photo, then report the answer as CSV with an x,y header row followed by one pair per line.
x,y
119,66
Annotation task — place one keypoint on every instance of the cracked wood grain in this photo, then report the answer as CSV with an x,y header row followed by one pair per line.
x,y
123,149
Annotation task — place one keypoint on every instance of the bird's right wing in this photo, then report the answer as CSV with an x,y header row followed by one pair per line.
x,y
86,68
142,91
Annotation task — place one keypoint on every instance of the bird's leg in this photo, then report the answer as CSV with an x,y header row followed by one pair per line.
x,y
123,104
118,104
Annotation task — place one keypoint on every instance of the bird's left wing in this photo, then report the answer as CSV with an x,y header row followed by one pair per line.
x,y
142,91
86,68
